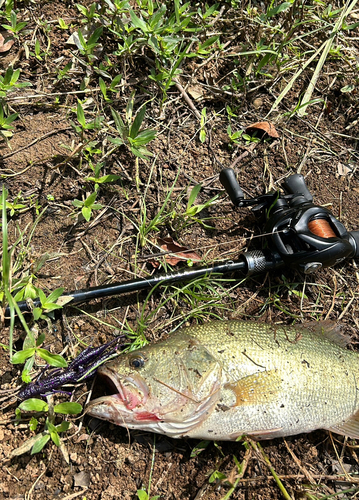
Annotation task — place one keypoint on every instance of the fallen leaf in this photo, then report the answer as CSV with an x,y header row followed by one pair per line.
x,y
261,129
177,253
195,91
83,437
5,47
27,445
343,169
63,300
258,102
86,32
328,108
64,452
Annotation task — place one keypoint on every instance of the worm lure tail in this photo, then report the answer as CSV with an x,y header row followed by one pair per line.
x,y
81,368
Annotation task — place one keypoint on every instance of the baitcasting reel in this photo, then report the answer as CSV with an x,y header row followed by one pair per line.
x,y
301,235
304,235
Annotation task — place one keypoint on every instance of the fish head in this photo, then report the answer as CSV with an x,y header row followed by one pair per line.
x,y
162,385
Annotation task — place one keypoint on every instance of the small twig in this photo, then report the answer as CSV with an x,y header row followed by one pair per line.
x,y
29,494
76,150
242,471
320,477
35,141
299,464
77,494
246,153
340,461
218,16
188,100
15,174
334,297
17,98
92,224
346,308
258,448
305,157
118,242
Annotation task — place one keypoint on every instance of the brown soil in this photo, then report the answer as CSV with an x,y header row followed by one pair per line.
x,y
106,461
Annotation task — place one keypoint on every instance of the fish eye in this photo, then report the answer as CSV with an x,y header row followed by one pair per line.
x,y
137,361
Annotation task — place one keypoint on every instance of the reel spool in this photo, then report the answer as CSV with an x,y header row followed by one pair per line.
x,y
321,228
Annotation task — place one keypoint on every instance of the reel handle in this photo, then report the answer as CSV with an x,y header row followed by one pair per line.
x,y
295,184
229,181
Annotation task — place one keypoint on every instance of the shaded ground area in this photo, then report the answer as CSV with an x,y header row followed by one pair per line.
x,y
46,165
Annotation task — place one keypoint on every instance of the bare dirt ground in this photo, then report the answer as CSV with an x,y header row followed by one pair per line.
x,y
46,162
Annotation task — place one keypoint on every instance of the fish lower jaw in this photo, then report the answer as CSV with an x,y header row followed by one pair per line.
x,y
105,406
114,409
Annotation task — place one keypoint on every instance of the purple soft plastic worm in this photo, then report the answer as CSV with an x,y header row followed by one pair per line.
x,y
81,368
42,387
90,353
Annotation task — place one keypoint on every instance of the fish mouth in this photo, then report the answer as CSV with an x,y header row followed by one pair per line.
x,y
117,394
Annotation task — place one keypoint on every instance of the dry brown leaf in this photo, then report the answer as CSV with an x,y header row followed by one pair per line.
x,y
195,91
178,253
343,169
5,47
261,129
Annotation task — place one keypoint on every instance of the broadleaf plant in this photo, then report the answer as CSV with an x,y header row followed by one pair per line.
x,y
129,132
51,430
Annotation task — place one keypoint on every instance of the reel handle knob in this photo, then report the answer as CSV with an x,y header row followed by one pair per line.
x,y
295,184
229,181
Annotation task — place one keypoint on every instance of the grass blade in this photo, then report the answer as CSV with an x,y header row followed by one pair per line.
x,y
293,79
258,448
327,46
6,268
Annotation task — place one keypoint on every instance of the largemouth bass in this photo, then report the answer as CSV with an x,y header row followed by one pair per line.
x,y
225,379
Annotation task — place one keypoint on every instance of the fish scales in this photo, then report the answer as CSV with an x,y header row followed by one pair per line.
x,y
306,376
225,379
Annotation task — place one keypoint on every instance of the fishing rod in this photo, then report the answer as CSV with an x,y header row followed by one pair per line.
x,y
303,236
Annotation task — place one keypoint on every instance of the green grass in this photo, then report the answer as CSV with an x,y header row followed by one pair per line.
x,y
46,412
285,41
118,88
16,289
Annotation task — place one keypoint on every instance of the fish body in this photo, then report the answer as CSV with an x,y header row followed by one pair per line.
x,y
225,379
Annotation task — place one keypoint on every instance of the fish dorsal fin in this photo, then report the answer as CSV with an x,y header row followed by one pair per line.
x,y
349,428
326,329
259,388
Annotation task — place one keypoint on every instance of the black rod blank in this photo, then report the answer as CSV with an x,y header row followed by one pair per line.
x,y
139,284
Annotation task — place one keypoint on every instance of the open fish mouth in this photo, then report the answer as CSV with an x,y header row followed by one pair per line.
x,y
123,400
130,392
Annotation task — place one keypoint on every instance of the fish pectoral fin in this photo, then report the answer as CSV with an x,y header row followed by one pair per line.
x,y
259,388
349,428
